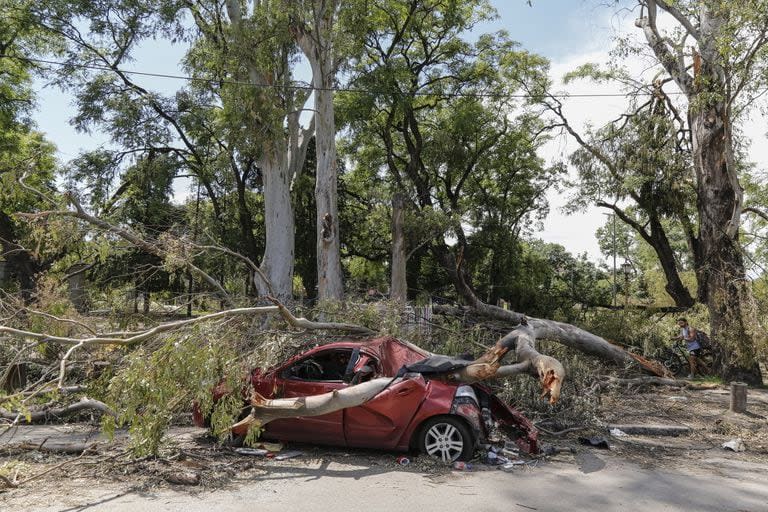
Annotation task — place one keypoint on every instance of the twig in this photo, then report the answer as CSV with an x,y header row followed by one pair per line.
x,y
7,481
561,432
57,466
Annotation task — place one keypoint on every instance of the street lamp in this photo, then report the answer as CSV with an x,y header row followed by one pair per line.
x,y
613,289
627,270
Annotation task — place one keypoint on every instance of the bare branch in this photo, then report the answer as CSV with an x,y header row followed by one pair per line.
x,y
128,235
142,335
757,212
303,323
662,50
55,412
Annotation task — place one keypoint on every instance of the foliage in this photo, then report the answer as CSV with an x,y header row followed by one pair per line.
x,y
156,383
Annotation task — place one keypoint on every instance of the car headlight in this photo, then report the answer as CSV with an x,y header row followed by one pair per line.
x,y
466,391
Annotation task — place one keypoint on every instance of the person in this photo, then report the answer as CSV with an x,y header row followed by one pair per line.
x,y
689,335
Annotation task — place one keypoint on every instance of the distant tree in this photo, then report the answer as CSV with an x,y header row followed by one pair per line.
x,y
431,124
25,154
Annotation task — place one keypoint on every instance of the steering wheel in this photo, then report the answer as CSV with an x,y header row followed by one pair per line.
x,y
312,370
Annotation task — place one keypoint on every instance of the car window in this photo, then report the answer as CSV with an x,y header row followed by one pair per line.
x,y
329,365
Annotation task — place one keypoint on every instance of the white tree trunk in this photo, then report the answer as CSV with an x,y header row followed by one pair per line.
x,y
315,38
329,277
277,264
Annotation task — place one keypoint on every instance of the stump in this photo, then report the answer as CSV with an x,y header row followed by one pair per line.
x,y
738,397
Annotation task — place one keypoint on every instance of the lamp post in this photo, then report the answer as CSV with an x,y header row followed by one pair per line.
x,y
627,270
613,290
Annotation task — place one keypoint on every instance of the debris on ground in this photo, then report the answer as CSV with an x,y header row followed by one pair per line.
x,y
289,455
735,445
595,442
183,478
257,452
617,432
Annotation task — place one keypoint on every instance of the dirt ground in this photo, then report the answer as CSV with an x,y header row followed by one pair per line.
x,y
691,471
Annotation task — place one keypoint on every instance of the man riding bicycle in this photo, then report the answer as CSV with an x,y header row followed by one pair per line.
x,y
690,336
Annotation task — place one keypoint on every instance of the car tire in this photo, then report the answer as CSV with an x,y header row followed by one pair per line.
x,y
446,438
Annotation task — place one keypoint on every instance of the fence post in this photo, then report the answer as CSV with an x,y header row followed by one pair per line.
x,y
738,397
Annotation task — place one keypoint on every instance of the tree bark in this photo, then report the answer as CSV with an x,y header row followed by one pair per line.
x,y
316,42
277,263
48,413
398,290
728,293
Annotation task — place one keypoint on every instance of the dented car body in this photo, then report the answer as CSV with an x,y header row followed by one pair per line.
x,y
419,412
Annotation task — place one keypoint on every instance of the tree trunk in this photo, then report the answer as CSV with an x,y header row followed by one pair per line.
x,y
566,334
329,277
315,39
19,261
277,263
674,287
720,268
399,286
245,219
728,293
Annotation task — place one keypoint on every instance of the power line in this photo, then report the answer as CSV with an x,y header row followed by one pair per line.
x,y
302,86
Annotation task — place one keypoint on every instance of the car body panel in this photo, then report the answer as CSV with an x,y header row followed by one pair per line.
x,y
380,422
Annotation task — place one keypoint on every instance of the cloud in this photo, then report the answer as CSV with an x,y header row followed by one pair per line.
x,y
577,231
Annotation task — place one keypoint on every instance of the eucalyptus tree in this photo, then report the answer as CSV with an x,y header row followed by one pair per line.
x,y
713,58
318,27
234,128
720,77
639,169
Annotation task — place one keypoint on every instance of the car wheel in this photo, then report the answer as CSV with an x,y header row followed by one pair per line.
x,y
447,439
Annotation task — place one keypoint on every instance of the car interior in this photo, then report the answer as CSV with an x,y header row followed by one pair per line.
x,y
346,365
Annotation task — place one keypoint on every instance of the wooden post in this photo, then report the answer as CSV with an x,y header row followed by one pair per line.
x,y
738,397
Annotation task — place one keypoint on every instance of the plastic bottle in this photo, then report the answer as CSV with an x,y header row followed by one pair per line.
x,y
403,460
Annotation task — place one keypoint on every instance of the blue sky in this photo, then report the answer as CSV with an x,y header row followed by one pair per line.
x,y
561,30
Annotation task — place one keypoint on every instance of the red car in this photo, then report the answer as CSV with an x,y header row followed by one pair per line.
x,y
441,419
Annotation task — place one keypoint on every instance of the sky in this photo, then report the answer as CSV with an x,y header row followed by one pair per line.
x,y
568,32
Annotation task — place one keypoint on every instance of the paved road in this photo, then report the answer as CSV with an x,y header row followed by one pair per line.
x,y
593,481
610,485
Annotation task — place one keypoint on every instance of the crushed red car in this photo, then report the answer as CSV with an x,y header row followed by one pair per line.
x,y
435,417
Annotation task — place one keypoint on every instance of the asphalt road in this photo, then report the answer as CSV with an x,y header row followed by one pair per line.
x,y
593,480
609,484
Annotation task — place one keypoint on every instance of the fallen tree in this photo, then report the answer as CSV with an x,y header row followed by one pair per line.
x,y
521,340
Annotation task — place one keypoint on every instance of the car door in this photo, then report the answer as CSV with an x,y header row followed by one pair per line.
x,y
313,375
380,423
